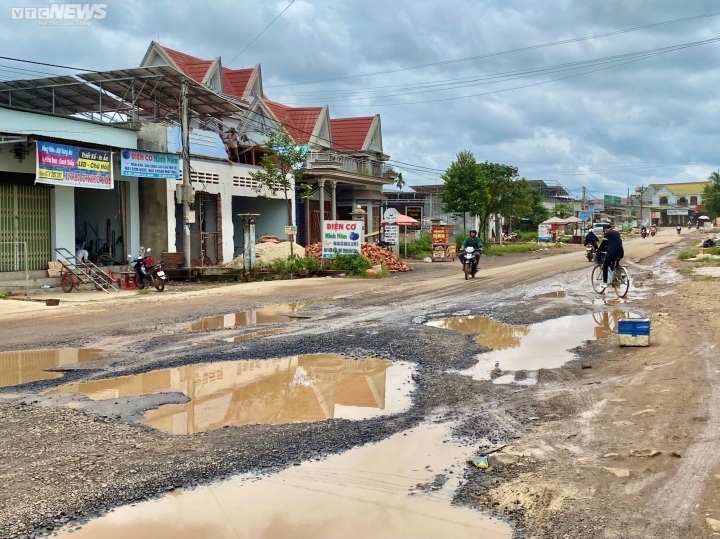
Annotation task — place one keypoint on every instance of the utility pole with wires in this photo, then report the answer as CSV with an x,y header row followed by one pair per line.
x,y
186,188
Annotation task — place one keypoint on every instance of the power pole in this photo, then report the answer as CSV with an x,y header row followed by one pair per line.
x,y
584,200
642,189
185,171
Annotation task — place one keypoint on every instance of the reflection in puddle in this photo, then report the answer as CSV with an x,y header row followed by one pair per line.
x,y
557,294
545,345
298,388
272,314
255,335
29,366
363,492
493,334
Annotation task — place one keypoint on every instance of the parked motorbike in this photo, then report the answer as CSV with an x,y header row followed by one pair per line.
x,y
148,272
653,231
385,245
469,261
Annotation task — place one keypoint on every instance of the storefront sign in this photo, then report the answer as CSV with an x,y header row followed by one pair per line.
x,y
150,165
291,230
392,234
544,232
654,215
71,166
612,200
439,234
585,215
342,237
677,212
414,212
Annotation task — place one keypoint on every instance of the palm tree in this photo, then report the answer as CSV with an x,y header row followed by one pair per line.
x,y
715,178
563,211
399,182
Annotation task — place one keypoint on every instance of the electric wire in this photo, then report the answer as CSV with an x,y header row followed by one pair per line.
x,y
511,51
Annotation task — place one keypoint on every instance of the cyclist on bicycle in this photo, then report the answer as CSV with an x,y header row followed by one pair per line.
x,y
613,247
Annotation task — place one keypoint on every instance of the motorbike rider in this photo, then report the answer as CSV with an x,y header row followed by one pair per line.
x,y
613,247
475,242
643,231
678,228
592,239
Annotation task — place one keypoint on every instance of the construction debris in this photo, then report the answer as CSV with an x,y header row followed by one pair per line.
x,y
375,254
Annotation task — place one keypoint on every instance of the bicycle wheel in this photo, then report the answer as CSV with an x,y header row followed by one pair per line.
x,y
596,278
621,282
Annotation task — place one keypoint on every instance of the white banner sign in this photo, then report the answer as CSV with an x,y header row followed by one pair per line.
x,y
677,212
342,237
392,234
150,165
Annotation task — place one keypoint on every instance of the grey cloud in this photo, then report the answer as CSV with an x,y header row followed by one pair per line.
x,y
617,123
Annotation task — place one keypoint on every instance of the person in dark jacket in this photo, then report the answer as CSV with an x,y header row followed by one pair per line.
x,y
613,247
592,239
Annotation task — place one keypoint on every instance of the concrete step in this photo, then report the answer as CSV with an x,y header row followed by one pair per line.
x,y
32,283
20,275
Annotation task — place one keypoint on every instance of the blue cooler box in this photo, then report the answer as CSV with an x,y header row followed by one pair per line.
x,y
634,331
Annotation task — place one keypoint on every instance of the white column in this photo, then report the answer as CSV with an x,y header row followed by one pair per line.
x,y
321,193
333,203
228,228
62,219
369,218
172,247
132,241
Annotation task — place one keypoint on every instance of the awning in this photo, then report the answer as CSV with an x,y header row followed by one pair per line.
x,y
404,220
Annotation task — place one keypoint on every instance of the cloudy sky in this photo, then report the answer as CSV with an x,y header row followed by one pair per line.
x,y
629,109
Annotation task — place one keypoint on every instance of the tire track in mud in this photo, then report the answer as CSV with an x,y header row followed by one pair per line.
x,y
678,498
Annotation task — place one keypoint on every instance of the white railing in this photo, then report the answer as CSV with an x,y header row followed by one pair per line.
x,y
354,165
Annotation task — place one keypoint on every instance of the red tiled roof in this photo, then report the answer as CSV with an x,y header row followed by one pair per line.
x,y
195,68
235,81
349,134
299,121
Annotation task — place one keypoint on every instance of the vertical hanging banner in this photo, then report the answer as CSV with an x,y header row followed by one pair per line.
x,y
58,164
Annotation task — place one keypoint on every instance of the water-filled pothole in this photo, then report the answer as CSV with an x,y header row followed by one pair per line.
x,y
554,295
255,335
18,368
364,492
272,314
545,345
312,387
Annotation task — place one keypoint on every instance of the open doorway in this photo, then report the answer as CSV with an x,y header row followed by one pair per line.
x,y
101,223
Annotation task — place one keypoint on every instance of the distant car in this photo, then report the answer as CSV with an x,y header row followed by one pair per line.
x,y
598,228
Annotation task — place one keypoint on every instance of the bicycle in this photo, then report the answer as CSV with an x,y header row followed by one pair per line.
x,y
618,279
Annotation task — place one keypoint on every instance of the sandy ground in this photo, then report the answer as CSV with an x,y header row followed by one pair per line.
x,y
621,443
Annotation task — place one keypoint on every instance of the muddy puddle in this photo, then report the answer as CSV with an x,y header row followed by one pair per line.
x,y
31,366
516,349
368,491
552,295
272,314
287,390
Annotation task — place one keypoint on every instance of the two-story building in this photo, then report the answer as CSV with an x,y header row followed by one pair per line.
x,y
346,165
673,204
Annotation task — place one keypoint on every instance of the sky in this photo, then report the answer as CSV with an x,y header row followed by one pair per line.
x,y
586,112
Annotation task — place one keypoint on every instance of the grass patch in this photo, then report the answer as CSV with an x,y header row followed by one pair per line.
x,y
294,264
704,278
510,248
686,255
355,264
527,236
143,292
3,295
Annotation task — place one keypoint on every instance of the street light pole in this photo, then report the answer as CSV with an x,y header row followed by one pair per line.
x,y
185,172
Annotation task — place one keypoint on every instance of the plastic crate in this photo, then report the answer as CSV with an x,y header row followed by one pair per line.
x,y
634,332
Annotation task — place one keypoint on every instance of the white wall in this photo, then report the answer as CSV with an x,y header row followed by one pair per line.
x,y
31,123
62,219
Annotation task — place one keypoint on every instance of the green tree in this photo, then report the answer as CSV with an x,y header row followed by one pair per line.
x,y
563,211
538,212
281,171
399,182
711,195
464,190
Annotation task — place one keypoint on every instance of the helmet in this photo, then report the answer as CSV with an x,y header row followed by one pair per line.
x,y
473,232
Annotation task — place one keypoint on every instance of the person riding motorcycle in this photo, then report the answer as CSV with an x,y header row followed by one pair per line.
x,y
592,239
475,242
643,231
678,228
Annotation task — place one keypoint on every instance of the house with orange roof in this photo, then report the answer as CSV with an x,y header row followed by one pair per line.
x,y
346,165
